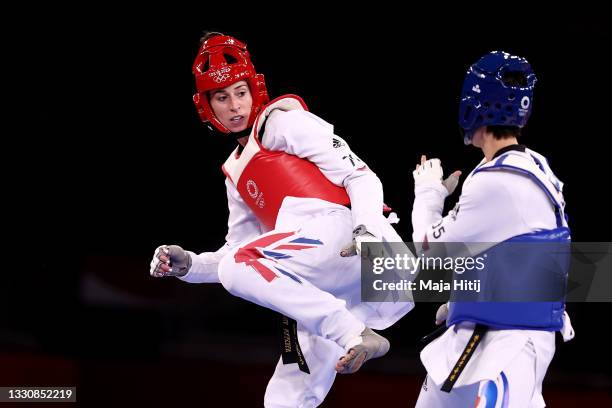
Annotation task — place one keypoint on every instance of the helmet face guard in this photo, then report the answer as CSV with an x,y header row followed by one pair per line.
x,y
222,61
487,100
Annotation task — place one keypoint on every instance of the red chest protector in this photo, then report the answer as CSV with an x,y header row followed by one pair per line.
x,y
264,177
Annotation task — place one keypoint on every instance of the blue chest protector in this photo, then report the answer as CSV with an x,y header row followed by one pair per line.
x,y
523,287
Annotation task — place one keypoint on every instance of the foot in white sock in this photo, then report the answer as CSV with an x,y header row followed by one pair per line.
x,y
362,348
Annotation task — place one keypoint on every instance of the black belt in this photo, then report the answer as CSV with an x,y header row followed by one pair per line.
x,y
290,346
468,352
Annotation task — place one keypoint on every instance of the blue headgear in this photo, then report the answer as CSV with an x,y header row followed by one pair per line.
x,y
486,100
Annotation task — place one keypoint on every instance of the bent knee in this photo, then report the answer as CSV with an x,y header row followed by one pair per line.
x,y
228,268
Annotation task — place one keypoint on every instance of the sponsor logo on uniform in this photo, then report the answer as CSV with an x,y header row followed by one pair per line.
x,y
252,189
525,102
255,194
220,75
476,88
337,143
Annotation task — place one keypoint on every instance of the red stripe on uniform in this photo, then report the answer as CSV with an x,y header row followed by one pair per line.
x,y
268,240
293,246
250,255
263,270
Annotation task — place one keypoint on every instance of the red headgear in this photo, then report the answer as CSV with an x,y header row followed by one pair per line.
x,y
222,61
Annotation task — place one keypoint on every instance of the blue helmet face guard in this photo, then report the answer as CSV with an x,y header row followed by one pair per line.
x,y
487,100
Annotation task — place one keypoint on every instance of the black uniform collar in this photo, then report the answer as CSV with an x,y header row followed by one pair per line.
x,y
242,133
238,135
517,147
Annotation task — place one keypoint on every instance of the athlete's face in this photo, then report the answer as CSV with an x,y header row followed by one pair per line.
x,y
232,105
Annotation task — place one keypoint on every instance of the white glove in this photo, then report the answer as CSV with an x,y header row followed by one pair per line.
x,y
442,314
430,172
360,236
170,260
567,331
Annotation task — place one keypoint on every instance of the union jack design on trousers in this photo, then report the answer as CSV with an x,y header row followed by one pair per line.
x,y
268,247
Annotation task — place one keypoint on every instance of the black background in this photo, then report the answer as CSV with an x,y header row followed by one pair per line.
x,y
106,159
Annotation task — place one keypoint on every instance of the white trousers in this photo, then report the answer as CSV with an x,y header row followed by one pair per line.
x,y
518,385
290,388
297,270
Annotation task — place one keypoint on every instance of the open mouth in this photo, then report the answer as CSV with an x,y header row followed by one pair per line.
x,y
237,119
